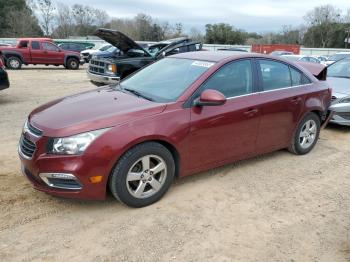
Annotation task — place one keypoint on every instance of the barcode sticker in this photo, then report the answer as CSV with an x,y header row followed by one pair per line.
x,y
202,64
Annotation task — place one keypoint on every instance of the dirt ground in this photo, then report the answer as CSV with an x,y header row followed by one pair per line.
x,y
278,207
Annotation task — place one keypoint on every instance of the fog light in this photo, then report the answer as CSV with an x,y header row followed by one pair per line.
x,y
95,179
61,180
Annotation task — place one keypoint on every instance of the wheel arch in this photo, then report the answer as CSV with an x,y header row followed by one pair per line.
x,y
6,54
164,142
71,56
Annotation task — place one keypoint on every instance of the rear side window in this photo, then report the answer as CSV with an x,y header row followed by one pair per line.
x,y
233,79
35,45
275,75
298,78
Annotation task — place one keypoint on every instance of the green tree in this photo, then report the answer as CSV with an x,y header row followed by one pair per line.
x,y
17,19
224,34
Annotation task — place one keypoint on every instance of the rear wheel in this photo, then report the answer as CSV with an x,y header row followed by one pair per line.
x,y
307,134
73,64
143,175
13,62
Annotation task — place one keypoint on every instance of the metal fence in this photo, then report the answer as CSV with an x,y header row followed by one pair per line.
x,y
212,47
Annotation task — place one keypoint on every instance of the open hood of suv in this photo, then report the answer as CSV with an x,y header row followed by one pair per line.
x,y
118,39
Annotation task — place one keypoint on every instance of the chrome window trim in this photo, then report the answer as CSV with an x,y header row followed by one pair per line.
x,y
267,91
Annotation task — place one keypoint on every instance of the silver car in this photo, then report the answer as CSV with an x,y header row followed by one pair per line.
x,y
338,77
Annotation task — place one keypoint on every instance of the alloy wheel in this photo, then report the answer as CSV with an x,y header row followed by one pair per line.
x,y
146,176
308,134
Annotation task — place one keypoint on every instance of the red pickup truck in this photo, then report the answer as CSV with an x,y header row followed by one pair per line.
x,y
38,51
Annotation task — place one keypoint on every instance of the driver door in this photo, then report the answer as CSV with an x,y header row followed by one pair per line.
x,y
219,134
52,54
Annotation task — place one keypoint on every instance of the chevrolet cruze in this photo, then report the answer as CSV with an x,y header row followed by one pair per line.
x,y
176,117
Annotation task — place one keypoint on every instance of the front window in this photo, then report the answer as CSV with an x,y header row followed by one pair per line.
x,y
50,47
167,79
339,69
233,79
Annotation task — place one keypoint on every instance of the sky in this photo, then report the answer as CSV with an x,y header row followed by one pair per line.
x,y
252,16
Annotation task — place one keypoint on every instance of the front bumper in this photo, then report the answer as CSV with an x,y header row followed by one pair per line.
x,y
103,79
341,114
82,167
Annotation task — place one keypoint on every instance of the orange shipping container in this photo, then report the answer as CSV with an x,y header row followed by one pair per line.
x,y
268,49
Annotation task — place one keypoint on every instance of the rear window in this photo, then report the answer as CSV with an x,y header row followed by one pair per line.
x,y
298,78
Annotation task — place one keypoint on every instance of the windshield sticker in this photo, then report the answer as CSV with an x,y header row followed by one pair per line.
x,y
202,64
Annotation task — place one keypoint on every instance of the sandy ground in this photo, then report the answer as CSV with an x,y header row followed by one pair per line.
x,y
278,207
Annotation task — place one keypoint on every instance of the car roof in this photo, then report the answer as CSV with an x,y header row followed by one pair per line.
x,y
214,56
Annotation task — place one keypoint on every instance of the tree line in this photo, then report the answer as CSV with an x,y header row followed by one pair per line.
x,y
324,26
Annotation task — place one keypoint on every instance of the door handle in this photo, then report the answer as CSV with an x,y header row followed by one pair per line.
x,y
296,100
251,112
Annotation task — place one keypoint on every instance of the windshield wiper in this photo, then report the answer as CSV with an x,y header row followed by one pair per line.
x,y
138,94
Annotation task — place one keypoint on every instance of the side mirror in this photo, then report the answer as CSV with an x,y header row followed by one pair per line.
x,y
210,97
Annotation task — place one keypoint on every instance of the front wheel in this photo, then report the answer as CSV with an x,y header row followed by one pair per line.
x,y
72,63
143,175
307,134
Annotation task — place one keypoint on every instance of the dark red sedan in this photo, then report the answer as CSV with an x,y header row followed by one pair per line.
x,y
181,115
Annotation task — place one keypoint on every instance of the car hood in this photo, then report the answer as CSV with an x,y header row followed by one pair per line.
x,y
92,110
339,85
118,39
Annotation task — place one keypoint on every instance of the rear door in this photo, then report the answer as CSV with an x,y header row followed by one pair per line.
x,y
282,99
36,52
219,134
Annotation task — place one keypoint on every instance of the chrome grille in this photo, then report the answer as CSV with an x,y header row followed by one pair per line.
x,y
34,130
97,67
26,147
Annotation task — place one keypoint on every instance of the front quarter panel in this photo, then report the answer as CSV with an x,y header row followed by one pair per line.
x,y
170,126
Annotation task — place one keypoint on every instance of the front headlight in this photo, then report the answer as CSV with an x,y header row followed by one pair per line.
x,y
112,68
75,145
345,100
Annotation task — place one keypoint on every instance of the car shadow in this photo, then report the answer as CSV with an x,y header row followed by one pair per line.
x,y
111,202
338,128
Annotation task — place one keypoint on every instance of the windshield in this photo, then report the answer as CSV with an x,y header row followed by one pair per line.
x,y
111,49
104,48
337,57
167,79
339,69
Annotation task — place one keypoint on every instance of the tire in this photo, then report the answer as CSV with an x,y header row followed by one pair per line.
x,y
306,135
72,64
136,182
13,62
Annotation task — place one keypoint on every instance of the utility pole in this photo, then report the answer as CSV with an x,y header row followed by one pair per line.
x,y
347,31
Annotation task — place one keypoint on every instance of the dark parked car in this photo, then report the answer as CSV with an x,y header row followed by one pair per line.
x,y
338,76
178,116
129,56
4,81
75,47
